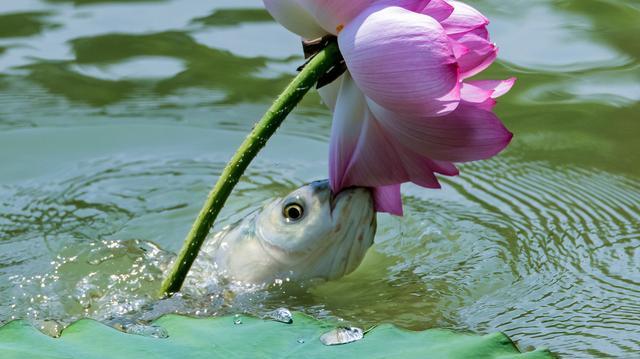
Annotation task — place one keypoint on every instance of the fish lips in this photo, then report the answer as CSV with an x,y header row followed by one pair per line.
x,y
350,194
323,187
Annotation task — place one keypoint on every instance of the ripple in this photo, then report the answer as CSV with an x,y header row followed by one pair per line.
x,y
548,255
611,86
92,265
569,238
560,247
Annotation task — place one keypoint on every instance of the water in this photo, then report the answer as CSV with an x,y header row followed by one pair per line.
x,y
116,117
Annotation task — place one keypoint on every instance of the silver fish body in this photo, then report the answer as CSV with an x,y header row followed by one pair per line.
x,y
309,234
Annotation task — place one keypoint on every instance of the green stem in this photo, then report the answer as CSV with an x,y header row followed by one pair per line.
x,y
319,65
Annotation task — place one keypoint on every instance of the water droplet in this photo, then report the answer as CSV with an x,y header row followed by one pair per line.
x,y
300,340
152,331
343,335
282,315
51,328
237,320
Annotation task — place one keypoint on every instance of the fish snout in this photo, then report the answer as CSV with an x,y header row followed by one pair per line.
x,y
351,199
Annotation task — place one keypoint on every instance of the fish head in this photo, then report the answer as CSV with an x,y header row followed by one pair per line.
x,y
315,233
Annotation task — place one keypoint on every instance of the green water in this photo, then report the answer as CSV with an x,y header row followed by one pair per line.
x,y
117,116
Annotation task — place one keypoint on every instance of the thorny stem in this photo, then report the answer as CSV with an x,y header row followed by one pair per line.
x,y
318,66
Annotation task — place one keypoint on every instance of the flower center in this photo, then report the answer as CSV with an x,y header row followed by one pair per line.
x,y
339,28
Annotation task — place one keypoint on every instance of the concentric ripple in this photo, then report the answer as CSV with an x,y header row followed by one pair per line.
x,y
574,247
548,255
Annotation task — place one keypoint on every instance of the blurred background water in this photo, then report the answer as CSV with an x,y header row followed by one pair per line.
x,y
117,116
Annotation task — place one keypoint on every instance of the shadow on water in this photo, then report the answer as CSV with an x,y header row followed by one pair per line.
x,y
234,17
92,2
24,24
57,78
205,67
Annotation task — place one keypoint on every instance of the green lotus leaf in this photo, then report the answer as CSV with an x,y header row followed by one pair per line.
x,y
253,338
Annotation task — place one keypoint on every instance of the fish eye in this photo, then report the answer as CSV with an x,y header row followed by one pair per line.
x,y
293,212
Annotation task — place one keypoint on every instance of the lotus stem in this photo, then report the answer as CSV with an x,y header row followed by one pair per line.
x,y
318,66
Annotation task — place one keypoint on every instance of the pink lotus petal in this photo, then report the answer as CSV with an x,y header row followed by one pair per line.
x,y
444,167
402,60
411,5
475,94
375,161
497,87
467,134
483,93
380,160
419,170
475,62
347,135
363,153
417,167
480,53
463,19
438,9
346,128
334,15
295,18
480,31
459,50
388,199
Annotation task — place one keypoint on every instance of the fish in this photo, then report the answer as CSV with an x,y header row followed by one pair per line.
x,y
311,233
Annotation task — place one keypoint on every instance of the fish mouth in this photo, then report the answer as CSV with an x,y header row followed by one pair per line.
x,y
336,198
332,201
323,188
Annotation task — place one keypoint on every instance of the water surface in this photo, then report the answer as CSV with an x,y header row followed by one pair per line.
x,y
116,118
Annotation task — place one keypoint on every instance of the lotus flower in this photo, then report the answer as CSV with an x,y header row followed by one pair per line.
x,y
404,111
